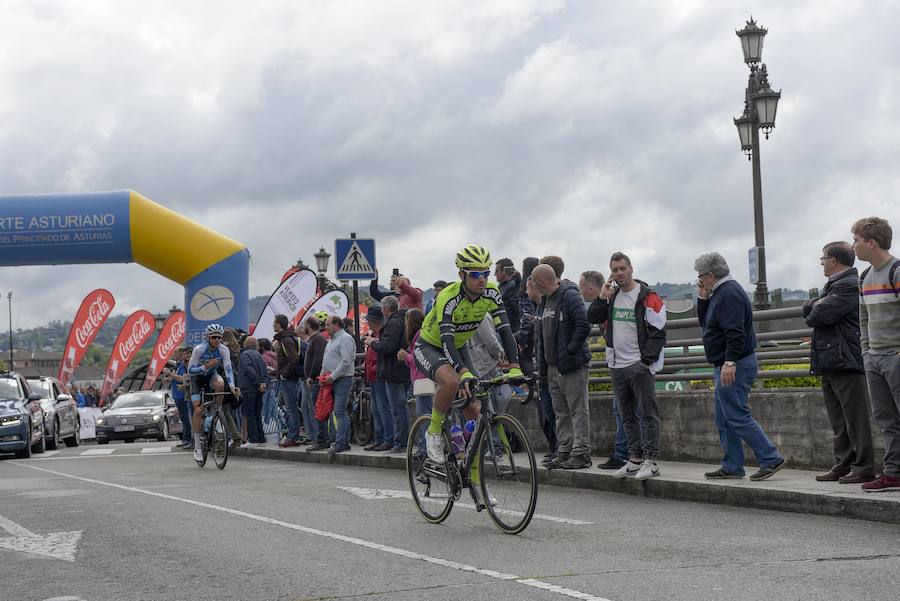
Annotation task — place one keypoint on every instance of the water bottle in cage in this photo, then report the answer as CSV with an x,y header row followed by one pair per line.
x,y
457,441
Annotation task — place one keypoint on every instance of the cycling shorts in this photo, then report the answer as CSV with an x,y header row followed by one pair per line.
x,y
203,383
430,358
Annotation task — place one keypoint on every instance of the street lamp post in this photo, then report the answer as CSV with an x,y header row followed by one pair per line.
x,y
11,365
760,105
322,257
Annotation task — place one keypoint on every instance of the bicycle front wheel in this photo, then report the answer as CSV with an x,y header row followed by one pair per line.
x,y
428,482
218,440
508,482
363,425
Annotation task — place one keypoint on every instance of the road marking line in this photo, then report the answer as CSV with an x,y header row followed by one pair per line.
x,y
149,450
549,587
98,452
105,456
371,494
50,453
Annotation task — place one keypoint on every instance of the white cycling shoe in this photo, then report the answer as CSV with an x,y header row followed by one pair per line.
x,y
434,445
198,454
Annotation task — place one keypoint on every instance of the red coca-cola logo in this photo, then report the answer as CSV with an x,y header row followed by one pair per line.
x,y
176,333
97,314
139,332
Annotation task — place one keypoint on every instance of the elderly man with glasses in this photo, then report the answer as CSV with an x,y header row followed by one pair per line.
x,y
726,318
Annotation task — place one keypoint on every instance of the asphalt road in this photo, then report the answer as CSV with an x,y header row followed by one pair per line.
x,y
153,526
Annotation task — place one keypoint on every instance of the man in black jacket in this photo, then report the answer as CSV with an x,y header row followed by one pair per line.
x,y
309,387
288,357
510,282
252,382
726,319
836,355
393,372
563,361
635,319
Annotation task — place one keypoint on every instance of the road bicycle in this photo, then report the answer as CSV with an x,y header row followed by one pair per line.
x,y
362,427
215,435
504,473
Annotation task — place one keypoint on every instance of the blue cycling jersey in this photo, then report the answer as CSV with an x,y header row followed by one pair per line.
x,y
203,353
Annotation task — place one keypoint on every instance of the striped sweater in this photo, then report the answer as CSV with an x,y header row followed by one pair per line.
x,y
879,310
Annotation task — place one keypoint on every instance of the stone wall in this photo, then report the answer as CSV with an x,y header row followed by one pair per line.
x,y
794,419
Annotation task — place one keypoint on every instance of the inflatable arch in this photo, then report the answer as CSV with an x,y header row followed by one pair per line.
x,y
125,227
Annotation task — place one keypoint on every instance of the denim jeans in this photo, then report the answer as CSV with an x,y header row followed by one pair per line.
x,y
736,424
424,404
635,390
185,412
396,393
308,408
621,449
287,391
252,408
382,415
341,392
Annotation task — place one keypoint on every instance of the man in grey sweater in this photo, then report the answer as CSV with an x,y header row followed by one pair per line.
x,y
337,367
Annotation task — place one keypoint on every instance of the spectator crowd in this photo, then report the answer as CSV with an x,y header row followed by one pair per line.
x,y
312,369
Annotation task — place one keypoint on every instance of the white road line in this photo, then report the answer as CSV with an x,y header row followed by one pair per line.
x,y
105,456
49,453
149,450
531,582
98,452
371,494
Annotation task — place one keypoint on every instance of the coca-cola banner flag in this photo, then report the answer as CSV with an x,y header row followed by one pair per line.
x,y
171,336
137,330
294,295
91,316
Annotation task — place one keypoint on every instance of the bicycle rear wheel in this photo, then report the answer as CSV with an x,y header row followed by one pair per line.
x,y
428,482
362,424
218,437
508,482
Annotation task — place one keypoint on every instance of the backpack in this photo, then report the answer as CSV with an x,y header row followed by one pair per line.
x,y
891,273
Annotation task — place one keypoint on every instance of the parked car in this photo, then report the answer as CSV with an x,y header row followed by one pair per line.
x,y
21,417
144,414
61,421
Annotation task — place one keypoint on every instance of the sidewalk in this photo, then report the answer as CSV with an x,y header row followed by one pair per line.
x,y
788,490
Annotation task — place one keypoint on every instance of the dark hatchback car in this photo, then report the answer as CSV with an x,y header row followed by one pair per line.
x,y
145,414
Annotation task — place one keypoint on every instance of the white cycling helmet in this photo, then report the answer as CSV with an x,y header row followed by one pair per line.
x,y
214,328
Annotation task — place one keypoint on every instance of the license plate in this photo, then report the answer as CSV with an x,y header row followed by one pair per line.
x,y
124,429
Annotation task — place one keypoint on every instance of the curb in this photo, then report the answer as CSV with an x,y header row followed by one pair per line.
x,y
875,507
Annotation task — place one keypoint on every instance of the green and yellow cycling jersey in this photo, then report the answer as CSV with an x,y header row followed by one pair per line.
x,y
454,318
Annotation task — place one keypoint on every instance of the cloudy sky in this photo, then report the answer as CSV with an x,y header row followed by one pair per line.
x,y
532,127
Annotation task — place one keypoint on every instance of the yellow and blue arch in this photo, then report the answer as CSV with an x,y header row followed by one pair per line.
x,y
124,227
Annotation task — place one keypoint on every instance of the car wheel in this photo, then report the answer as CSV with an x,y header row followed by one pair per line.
x,y
75,439
26,452
165,431
39,446
53,441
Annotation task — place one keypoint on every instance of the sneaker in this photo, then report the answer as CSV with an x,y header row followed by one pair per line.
x,y
246,445
613,463
721,474
649,469
287,443
576,462
198,454
319,446
476,496
765,473
552,464
434,444
882,483
338,448
629,470
396,451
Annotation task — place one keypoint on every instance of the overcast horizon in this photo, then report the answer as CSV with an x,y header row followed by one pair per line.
x,y
530,127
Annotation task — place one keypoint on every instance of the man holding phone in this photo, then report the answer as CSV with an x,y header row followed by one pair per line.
x,y
407,295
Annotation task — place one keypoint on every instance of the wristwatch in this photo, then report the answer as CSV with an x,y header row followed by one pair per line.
x,y
730,363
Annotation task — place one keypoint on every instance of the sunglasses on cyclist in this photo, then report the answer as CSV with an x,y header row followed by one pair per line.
x,y
214,337
478,274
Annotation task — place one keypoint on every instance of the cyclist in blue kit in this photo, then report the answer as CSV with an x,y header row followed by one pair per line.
x,y
209,362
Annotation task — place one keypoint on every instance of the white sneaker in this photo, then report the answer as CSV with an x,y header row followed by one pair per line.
x,y
245,445
434,444
649,469
629,470
198,454
476,494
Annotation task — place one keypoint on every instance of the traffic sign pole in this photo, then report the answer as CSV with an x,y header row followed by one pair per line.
x,y
356,303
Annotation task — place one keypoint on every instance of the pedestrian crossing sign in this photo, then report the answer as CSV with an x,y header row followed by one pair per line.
x,y
355,258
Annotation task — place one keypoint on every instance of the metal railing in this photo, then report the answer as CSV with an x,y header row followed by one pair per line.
x,y
780,347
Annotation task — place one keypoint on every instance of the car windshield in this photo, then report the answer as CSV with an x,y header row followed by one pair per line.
x,y
138,400
42,387
9,389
